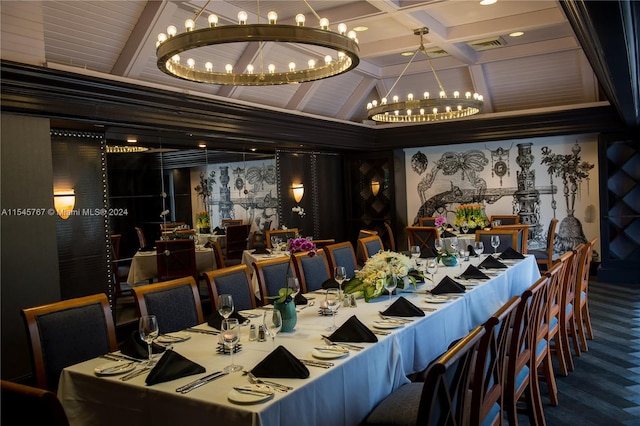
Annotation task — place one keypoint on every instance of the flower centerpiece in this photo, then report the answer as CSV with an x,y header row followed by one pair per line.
x,y
472,214
380,268
440,223
284,301
202,222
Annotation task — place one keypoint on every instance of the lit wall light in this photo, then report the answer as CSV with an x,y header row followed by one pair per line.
x,y
375,187
64,201
132,140
298,191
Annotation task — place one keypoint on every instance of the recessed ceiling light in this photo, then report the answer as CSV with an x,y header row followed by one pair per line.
x,y
253,149
407,53
202,145
487,2
360,28
516,34
132,140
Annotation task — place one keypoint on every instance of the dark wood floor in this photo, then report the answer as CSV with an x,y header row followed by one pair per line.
x,y
604,388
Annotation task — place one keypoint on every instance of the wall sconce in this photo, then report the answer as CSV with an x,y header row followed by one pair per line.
x,y
298,191
375,187
64,201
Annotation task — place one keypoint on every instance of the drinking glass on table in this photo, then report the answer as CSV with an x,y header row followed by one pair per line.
x,y
340,275
415,253
453,242
148,329
439,243
230,336
272,321
432,266
495,243
225,305
390,285
479,248
294,285
332,299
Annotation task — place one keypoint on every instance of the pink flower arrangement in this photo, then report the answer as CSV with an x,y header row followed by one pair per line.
x,y
440,221
301,244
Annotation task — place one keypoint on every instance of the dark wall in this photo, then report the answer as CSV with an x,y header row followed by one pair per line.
x,y
29,274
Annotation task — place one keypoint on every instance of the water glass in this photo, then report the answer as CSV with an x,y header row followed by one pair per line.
x,y
432,266
272,321
495,243
479,248
225,305
148,329
230,336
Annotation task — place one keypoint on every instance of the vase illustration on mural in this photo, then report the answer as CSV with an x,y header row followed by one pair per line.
x,y
225,206
572,170
527,197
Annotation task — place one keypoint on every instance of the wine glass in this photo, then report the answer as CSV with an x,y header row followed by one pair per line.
x,y
479,248
332,299
272,321
230,336
415,253
439,243
465,227
225,305
432,266
453,242
294,285
390,284
148,329
340,275
495,242
275,243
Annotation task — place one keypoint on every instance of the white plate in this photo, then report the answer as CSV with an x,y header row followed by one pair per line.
x,y
387,325
246,398
175,337
430,298
114,368
328,353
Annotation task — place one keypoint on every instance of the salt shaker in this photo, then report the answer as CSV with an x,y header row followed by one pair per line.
x,y
353,301
346,302
252,333
261,334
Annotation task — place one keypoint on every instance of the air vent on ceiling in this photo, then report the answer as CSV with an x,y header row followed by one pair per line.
x,y
487,43
436,52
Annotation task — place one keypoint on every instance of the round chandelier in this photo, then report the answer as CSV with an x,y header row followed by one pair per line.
x,y
342,44
438,108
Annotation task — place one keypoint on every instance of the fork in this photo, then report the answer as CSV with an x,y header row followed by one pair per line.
x,y
277,386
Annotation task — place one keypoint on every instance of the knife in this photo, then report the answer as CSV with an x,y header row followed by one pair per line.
x,y
200,382
313,363
346,345
197,330
256,392
135,373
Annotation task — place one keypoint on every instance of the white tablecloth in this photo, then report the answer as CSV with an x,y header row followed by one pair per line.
x,y
202,239
341,395
144,265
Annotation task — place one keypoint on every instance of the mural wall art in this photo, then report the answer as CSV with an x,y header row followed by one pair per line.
x,y
539,179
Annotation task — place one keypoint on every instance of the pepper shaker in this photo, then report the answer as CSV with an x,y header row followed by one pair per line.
x,y
252,333
261,334
353,301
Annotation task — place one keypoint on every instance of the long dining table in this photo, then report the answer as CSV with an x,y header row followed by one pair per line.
x,y
342,394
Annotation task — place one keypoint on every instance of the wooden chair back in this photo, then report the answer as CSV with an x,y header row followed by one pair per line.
x,y
582,316
27,405
64,333
272,276
321,243
445,398
523,238
285,234
118,271
231,222
311,271
218,256
427,221
142,241
370,246
234,280
508,238
175,303
423,237
170,226
342,254
506,219
545,258
363,233
392,238
237,240
569,308
175,259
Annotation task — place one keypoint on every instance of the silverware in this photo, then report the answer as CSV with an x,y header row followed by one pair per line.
x,y
381,333
135,373
428,309
255,392
198,330
116,368
119,357
388,318
335,350
314,363
200,382
171,338
346,345
276,386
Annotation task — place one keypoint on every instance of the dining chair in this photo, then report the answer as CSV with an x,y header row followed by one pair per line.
x,y
119,268
564,309
231,222
506,219
321,243
237,242
142,241
28,405
311,271
522,388
582,316
363,233
67,332
545,258
392,238
427,221
444,398
285,234
508,238
423,237
175,303
272,276
542,355
491,366
342,254
234,280
370,246
218,255
523,238
569,328
170,226
175,259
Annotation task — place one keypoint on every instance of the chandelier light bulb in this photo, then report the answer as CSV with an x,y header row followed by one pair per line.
x,y
435,110
409,112
396,112
272,17
426,95
340,56
311,63
421,111
410,96
456,94
242,17
250,68
324,24
189,25
374,103
176,58
448,109
162,37
459,107
328,59
292,66
342,28
172,30
300,19
213,20
228,68
369,105
383,101
442,94
208,66
271,68
467,95
352,35
191,62
395,98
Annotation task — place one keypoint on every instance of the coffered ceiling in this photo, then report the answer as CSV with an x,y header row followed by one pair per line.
x,y
472,50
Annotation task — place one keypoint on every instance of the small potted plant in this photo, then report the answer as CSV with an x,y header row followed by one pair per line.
x,y
202,222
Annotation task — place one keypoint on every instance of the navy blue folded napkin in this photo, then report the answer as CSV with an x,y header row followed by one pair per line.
x,y
474,273
215,320
300,299
491,263
403,308
219,231
510,253
172,366
448,285
281,364
261,250
472,251
353,331
330,283
137,348
447,234
427,252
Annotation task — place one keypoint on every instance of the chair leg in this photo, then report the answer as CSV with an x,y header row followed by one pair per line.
x,y
549,378
580,322
587,320
559,349
536,399
566,350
